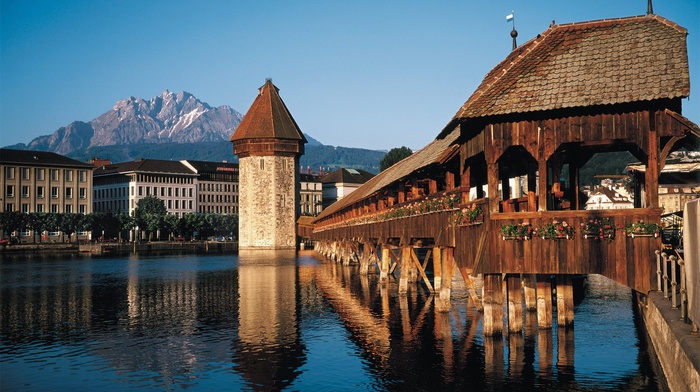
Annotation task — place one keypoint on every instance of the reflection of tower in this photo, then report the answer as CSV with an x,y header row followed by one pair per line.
x,y
269,350
268,143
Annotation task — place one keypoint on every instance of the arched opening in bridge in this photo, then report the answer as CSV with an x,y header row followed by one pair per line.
x,y
577,169
517,177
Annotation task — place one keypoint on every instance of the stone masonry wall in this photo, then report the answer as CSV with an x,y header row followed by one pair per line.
x,y
268,202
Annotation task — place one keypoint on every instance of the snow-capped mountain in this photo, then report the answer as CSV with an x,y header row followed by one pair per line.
x,y
168,118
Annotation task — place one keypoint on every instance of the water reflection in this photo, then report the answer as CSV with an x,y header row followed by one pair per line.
x,y
267,350
273,321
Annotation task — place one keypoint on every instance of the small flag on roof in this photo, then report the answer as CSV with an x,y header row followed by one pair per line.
x,y
510,17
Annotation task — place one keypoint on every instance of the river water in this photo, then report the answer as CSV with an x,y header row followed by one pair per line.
x,y
286,321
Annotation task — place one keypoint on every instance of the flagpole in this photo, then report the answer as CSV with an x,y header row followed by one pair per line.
x,y
513,33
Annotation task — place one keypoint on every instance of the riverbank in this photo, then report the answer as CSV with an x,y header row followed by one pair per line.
x,y
676,345
124,247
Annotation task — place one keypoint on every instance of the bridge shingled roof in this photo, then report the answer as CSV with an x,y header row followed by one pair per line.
x,y
426,156
601,62
604,62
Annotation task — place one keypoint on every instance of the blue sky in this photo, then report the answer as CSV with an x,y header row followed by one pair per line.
x,y
370,74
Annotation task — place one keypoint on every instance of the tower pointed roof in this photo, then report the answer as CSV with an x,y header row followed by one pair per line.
x,y
268,117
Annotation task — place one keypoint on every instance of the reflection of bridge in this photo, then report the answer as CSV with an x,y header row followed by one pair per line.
x,y
536,119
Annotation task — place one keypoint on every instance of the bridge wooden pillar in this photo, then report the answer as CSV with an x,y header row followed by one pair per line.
x,y
437,268
406,263
530,292
565,301
515,304
493,305
365,257
384,265
544,302
442,301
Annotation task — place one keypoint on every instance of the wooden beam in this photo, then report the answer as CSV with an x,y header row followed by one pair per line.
x,y
515,304
493,305
421,269
565,301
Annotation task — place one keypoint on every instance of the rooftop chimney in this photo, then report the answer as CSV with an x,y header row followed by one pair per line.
x,y
650,8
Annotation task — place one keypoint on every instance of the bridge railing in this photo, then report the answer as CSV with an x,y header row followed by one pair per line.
x,y
671,281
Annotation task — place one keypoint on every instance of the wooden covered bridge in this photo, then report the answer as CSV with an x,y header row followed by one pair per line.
x,y
486,197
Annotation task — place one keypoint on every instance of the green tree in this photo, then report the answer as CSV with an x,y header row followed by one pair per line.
x,y
394,155
125,223
172,223
150,215
43,221
70,223
11,221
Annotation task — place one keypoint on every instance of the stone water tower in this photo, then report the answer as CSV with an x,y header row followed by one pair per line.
x,y
268,144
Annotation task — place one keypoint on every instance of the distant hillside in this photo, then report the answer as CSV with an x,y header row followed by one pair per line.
x,y
174,127
316,156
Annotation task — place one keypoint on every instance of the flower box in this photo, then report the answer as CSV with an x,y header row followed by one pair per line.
x,y
598,229
556,231
521,232
641,229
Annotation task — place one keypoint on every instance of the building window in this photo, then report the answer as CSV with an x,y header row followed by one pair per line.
x,y
25,173
69,209
170,204
10,173
39,208
40,192
54,208
54,174
25,190
262,164
140,190
82,175
25,208
69,193
10,191
83,193
40,174
9,207
69,175
177,204
82,209
54,192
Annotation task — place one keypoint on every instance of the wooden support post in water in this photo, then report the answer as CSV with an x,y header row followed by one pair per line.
x,y
493,305
544,301
515,304
565,301
406,262
442,302
437,268
384,266
530,292
364,258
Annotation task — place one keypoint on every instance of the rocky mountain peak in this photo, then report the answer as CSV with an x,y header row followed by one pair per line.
x,y
169,117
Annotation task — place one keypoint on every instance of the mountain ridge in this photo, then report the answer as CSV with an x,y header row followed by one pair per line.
x,y
176,126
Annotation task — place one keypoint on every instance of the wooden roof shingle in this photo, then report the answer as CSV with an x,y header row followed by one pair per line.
x,y
602,62
428,155
268,117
